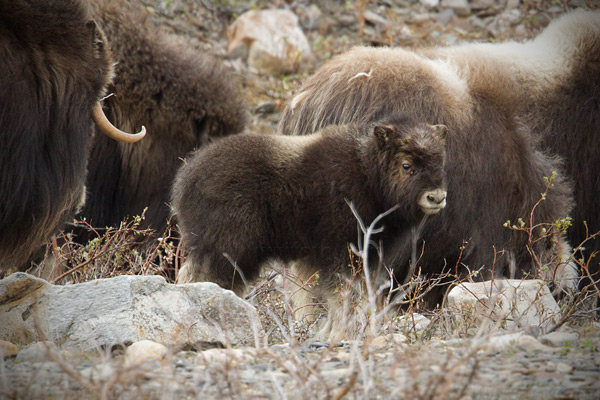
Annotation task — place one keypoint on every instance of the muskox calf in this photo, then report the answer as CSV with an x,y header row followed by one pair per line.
x,y
249,199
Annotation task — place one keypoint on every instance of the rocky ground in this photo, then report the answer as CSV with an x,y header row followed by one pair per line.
x,y
515,366
429,361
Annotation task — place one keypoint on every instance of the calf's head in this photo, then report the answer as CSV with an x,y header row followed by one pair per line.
x,y
414,156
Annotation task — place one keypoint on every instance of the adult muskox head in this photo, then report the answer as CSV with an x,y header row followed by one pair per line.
x,y
54,71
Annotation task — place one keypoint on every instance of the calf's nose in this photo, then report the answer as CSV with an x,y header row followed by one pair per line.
x,y
433,201
437,196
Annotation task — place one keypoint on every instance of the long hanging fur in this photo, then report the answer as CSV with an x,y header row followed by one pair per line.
x,y
55,66
509,108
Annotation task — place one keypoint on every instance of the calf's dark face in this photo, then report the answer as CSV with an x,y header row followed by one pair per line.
x,y
415,162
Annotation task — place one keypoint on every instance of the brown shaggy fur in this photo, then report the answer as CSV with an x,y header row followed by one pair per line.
x,y
262,197
498,101
554,83
183,96
54,68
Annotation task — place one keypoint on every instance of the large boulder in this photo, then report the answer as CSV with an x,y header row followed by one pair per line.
x,y
272,40
124,309
512,304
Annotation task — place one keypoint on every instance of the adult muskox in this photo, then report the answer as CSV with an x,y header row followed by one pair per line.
x,y
498,101
249,199
54,69
183,96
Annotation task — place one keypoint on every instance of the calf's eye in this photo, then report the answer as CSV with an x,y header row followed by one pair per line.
x,y
406,166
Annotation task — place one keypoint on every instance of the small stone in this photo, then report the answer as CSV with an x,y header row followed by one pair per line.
x,y
144,351
282,348
513,4
17,286
35,352
460,7
318,345
481,4
447,39
232,357
266,107
419,19
98,373
312,18
555,10
430,3
375,19
515,341
8,349
413,323
382,342
529,343
559,339
520,31
563,368
445,17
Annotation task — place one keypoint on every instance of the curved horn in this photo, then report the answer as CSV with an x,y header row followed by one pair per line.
x,y
110,130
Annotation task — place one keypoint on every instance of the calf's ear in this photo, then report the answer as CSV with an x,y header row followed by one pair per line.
x,y
384,134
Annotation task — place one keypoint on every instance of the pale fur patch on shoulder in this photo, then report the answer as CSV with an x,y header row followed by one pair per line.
x,y
453,84
448,74
546,59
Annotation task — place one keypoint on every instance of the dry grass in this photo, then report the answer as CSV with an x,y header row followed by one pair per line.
x,y
412,370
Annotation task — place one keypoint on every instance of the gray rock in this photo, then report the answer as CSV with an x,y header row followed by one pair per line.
x,y
413,323
35,352
124,309
275,41
460,7
17,286
512,3
559,339
515,341
312,18
509,303
393,339
230,357
375,19
481,4
445,17
98,373
144,351
430,3
266,107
